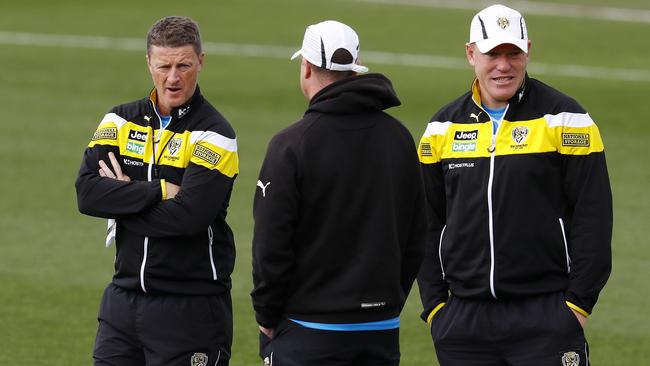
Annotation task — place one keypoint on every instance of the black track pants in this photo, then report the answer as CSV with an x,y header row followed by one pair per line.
x,y
540,330
295,345
137,329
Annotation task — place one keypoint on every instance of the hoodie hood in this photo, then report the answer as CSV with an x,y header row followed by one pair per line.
x,y
356,94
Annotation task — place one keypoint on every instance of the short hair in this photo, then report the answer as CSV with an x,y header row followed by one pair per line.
x,y
174,31
340,56
331,75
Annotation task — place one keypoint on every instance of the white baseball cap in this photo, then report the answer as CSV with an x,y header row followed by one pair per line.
x,y
331,45
496,25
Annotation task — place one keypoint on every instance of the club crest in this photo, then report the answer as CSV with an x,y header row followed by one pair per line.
x,y
199,359
503,22
174,145
570,359
519,134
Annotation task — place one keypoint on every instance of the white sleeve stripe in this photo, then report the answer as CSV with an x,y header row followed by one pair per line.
x,y
215,139
436,128
112,117
566,119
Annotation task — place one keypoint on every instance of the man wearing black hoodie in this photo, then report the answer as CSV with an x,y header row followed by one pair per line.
x,y
339,216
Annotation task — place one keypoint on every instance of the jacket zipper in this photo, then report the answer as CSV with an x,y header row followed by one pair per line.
x,y
146,242
145,245
491,150
214,269
442,268
566,247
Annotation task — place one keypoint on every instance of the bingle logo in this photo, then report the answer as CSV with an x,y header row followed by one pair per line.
x,y
137,135
466,135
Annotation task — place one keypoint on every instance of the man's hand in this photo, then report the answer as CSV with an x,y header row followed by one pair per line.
x,y
581,318
105,171
172,189
269,332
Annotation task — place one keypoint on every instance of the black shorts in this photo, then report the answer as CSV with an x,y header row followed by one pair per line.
x,y
295,345
141,329
540,330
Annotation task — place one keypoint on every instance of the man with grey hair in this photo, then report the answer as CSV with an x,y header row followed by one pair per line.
x,y
520,212
161,170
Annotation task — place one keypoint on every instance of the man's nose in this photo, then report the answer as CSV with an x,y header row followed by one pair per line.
x,y
174,74
503,63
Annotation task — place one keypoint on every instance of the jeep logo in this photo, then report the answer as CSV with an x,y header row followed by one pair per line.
x,y
137,135
466,135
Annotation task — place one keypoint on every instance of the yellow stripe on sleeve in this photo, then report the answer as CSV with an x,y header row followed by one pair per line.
x,y
577,308
434,311
575,133
163,187
215,157
429,150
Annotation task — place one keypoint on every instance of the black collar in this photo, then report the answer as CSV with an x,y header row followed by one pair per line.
x,y
180,111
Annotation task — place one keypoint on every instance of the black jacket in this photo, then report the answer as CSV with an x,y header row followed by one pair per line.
x,y
339,211
181,245
526,213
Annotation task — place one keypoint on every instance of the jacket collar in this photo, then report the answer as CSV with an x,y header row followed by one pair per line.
x,y
180,111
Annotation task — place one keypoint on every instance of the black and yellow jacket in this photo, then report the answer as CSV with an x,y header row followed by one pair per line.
x,y
526,212
181,245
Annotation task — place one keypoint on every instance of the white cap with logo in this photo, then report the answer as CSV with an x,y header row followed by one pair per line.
x,y
496,25
331,45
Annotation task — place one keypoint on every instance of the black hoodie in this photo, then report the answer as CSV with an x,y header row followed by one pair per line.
x,y
339,211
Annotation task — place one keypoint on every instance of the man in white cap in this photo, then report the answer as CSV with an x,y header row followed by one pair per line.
x,y
339,216
520,212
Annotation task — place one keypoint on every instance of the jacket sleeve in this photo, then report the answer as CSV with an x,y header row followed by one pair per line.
x,y
433,288
413,249
275,211
589,225
105,197
204,191
202,195
434,291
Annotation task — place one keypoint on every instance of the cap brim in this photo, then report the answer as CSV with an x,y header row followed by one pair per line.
x,y
486,45
359,68
296,54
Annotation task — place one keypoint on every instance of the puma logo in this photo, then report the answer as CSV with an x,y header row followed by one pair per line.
x,y
147,118
475,116
263,186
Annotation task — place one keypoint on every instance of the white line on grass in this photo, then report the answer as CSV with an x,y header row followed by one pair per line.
x,y
281,52
535,8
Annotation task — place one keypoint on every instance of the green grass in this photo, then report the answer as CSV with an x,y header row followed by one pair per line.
x,y
53,265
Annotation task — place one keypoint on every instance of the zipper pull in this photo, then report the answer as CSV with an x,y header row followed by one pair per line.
x,y
493,145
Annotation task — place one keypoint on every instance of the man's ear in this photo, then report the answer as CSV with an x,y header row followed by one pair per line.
x,y
307,71
201,59
469,52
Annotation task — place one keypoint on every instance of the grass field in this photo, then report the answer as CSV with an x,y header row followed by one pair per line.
x,y
53,265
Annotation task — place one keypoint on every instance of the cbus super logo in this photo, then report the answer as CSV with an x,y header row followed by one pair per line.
x,y
466,135
137,135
